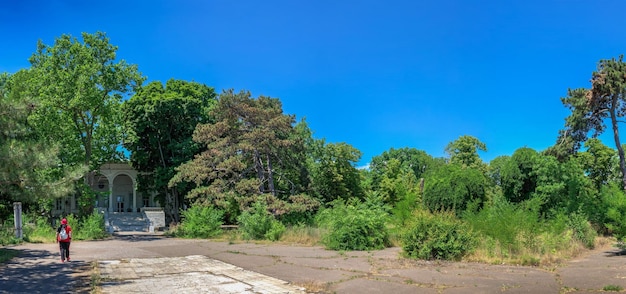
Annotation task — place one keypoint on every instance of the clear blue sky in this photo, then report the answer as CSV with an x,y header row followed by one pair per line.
x,y
373,74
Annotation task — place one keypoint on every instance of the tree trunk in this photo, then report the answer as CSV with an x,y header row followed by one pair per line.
x,y
258,164
620,150
270,175
171,209
175,206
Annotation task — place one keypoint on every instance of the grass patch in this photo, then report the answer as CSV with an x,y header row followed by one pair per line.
x,y
302,234
96,278
7,254
615,288
315,287
511,233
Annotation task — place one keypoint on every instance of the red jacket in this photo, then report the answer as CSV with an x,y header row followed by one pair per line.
x,y
68,229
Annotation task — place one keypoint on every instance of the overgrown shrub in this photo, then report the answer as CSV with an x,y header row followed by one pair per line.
x,y
200,222
36,229
298,209
437,236
582,229
453,188
517,233
615,217
91,228
354,225
506,222
257,223
7,233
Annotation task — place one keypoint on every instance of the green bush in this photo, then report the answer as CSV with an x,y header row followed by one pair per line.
x,y
276,231
615,216
91,228
257,223
582,229
506,222
354,225
437,236
201,222
36,229
453,188
7,233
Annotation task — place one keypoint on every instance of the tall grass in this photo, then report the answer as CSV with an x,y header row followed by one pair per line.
x,y
37,229
302,234
517,234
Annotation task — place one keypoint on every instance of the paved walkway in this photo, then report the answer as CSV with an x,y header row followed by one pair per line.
x,y
189,274
145,263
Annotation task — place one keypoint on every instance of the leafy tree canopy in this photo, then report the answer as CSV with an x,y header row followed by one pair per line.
x,y
160,122
245,153
464,151
592,108
80,86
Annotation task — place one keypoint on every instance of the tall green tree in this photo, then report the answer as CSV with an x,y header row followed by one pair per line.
x,y
464,151
246,153
605,101
518,175
160,122
453,187
80,85
413,159
600,163
334,173
28,165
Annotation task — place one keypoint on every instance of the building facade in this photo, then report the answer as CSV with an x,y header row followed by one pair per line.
x,y
116,186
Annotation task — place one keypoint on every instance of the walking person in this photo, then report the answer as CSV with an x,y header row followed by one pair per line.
x,y
64,237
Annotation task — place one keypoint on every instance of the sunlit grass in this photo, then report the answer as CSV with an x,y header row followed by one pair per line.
x,y
304,235
546,250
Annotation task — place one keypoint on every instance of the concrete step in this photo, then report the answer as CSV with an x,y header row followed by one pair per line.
x,y
128,222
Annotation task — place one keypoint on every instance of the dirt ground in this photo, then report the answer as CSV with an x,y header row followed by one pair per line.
x,y
38,267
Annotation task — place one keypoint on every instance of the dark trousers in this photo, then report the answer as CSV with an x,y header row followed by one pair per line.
x,y
65,250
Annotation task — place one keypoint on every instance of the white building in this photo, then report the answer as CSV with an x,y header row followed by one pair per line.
x,y
116,185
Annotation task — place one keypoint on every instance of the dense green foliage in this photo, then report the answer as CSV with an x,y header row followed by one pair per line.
x,y
38,229
592,108
437,236
29,164
257,223
159,123
200,222
451,187
355,225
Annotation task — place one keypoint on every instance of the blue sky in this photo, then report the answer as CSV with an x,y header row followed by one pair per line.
x,y
373,74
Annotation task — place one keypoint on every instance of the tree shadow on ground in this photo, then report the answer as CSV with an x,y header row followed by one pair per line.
x,y
615,252
39,271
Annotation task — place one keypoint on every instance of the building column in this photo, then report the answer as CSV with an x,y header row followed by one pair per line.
x,y
111,196
134,197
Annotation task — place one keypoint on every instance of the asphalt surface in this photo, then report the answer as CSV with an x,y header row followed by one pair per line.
x,y
150,264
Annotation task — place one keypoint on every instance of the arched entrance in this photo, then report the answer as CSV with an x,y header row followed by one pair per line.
x,y
119,180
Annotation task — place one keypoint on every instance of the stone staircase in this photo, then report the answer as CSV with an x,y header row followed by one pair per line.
x,y
127,222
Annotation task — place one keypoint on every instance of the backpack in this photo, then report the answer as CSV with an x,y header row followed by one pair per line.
x,y
63,233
